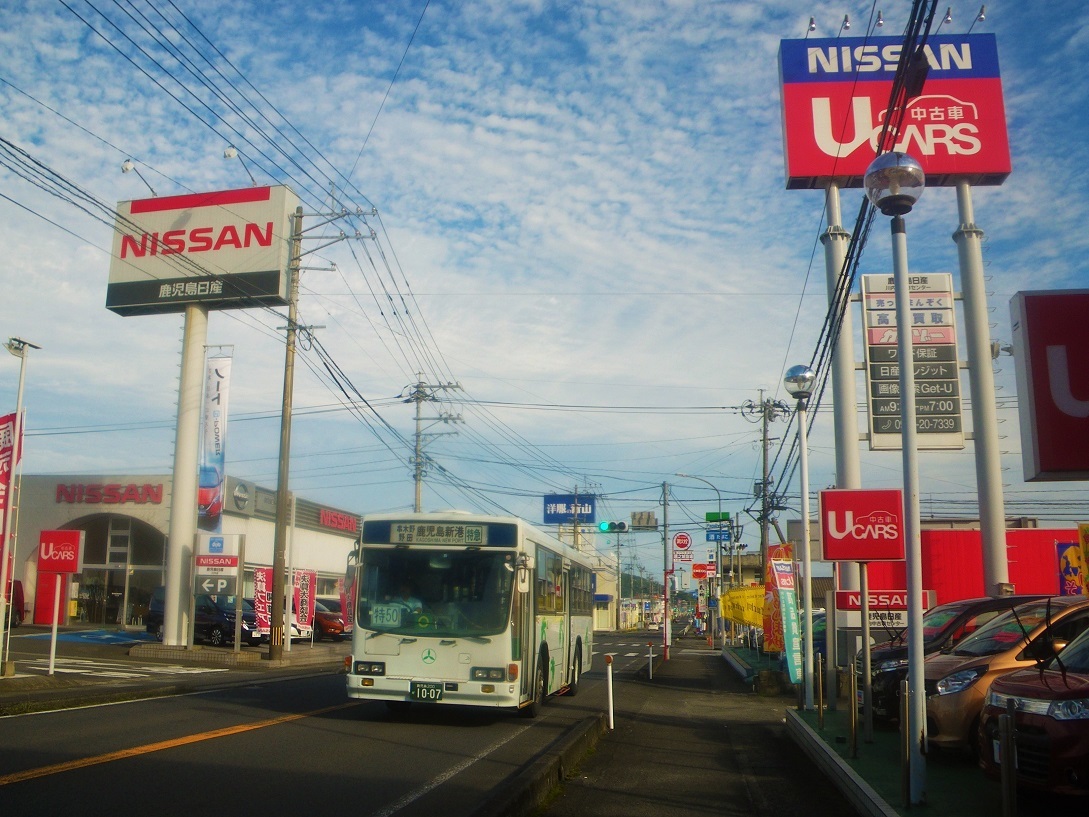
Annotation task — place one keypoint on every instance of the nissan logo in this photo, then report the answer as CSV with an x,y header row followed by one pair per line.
x,y
241,496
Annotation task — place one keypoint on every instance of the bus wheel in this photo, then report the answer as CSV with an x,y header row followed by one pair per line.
x,y
533,708
576,673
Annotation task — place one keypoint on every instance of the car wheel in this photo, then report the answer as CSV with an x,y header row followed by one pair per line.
x,y
216,636
318,634
159,633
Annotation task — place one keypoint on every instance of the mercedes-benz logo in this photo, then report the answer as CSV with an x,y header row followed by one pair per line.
x,y
429,656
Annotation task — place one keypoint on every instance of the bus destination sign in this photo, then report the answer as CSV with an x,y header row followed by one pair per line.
x,y
432,533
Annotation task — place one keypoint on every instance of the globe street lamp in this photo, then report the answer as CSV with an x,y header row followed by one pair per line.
x,y
894,182
799,382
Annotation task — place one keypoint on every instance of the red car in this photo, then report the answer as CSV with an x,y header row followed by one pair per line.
x,y
1051,722
327,621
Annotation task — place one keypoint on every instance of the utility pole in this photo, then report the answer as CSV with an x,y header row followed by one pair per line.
x,y
764,412
667,571
421,393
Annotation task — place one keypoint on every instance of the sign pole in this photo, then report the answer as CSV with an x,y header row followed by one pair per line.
x,y
56,617
867,690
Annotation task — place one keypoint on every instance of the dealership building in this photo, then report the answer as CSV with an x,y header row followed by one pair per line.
x,y
125,520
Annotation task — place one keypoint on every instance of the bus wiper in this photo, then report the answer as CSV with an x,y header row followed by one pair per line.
x,y
476,639
406,640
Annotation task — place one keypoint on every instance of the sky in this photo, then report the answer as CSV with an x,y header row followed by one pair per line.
x,y
572,216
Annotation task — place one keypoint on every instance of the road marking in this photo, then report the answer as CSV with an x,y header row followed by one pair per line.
x,y
109,757
111,669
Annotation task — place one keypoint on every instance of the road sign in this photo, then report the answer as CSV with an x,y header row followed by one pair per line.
x,y
717,516
720,535
217,585
682,541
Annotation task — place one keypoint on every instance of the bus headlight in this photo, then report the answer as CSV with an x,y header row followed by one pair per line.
x,y
370,668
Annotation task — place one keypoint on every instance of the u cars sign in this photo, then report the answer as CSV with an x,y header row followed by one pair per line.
x,y
835,93
1051,349
60,551
862,525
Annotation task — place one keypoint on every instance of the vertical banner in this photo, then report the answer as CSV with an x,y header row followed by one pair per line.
x,y
10,453
305,584
262,599
1083,537
783,575
1071,569
210,486
346,593
773,618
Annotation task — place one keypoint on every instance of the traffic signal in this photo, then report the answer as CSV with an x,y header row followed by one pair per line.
x,y
612,527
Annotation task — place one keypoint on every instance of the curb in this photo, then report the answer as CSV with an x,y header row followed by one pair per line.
x,y
528,788
860,793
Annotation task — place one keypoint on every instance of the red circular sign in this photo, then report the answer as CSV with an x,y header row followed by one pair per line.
x,y
682,541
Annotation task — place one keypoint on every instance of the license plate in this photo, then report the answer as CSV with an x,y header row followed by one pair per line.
x,y
425,691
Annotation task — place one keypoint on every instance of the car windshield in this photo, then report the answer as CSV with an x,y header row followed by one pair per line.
x,y
937,621
1007,630
331,605
436,592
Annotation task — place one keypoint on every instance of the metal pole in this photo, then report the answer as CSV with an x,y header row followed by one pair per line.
x,y
807,565
183,493
905,354
19,348
276,620
667,570
867,687
845,414
418,461
992,511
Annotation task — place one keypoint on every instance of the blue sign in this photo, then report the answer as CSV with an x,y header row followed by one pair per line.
x,y
719,535
561,509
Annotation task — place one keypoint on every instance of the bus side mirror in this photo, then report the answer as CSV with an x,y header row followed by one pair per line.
x,y
521,576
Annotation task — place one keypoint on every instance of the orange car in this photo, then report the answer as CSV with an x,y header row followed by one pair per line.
x,y
328,622
957,681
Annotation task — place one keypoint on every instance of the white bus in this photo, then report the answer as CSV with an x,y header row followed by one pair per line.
x,y
459,608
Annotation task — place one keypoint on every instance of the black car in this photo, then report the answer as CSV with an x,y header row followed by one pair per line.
x,y
213,618
944,627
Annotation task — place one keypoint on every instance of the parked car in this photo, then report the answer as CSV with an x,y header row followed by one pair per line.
x,y
1051,722
214,620
328,622
944,627
1050,706
957,680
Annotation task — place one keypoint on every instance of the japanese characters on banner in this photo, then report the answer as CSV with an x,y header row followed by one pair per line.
x,y
8,461
783,576
773,617
303,594
212,478
346,593
835,93
938,417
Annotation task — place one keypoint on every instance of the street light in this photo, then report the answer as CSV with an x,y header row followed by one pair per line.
x,y
894,182
718,544
799,382
20,348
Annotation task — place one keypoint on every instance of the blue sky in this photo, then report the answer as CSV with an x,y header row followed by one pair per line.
x,y
581,218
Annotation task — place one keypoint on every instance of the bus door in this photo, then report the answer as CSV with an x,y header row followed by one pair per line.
x,y
523,620
565,630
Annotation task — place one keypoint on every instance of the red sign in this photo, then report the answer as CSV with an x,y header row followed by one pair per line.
x,y
882,599
1051,350
862,525
835,94
60,551
205,560
702,570
338,520
682,541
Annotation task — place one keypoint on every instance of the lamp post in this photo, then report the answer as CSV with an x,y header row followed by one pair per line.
x,y
718,544
894,182
20,348
799,382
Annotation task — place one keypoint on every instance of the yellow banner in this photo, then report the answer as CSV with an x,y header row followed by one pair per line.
x,y
743,605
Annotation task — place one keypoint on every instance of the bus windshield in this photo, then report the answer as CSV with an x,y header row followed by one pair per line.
x,y
443,593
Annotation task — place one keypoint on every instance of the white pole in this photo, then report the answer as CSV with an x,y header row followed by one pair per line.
x,y
905,354
56,618
183,494
992,511
609,687
807,566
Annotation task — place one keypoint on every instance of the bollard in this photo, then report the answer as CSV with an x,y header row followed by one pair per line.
x,y
1007,751
820,692
650,660
905,743
609,687
852,716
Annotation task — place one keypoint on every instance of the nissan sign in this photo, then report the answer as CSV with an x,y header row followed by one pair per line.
x,y
859,525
